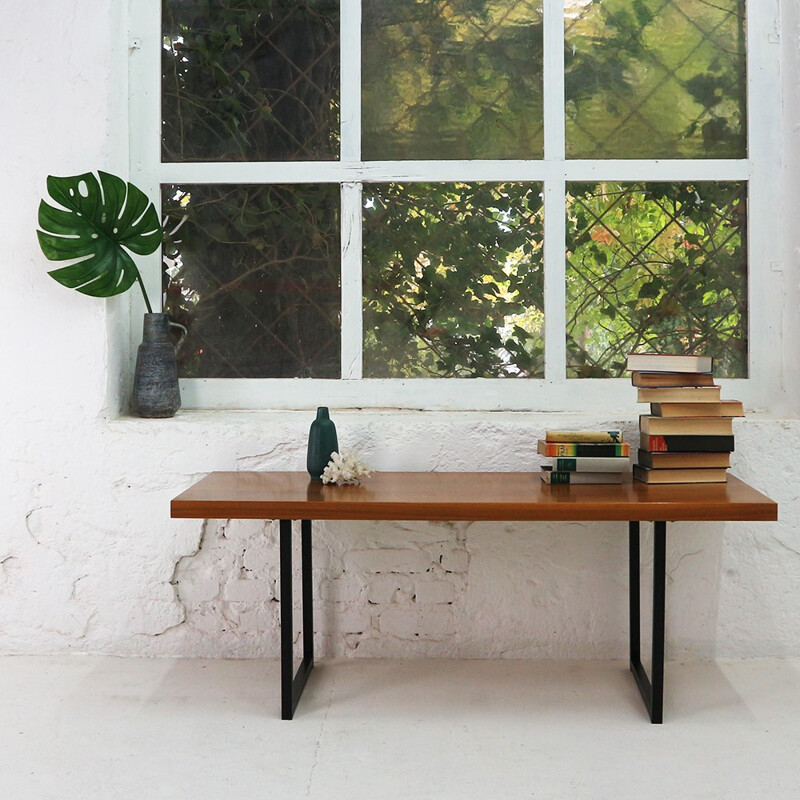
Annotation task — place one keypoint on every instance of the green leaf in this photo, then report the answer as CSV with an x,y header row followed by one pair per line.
x,y
93,226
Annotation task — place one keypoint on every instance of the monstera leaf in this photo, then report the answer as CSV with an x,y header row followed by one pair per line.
x,y
95,227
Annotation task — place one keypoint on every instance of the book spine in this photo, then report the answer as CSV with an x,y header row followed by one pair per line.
x,y
581,477
686,426
580,449
585,436
687,444
556,477
587,464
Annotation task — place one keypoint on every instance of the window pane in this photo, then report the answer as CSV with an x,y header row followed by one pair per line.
x,y
452,80
253,273
655,79
255,80
656,266
453,280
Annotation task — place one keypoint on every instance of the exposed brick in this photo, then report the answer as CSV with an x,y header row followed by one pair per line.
x,y
344,589
452,558
259,558
379,560
249,591
250,619
428,623
197,590
354,620
389,588
434,592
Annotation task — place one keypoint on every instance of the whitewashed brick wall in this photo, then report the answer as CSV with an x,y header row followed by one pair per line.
x,y
91,562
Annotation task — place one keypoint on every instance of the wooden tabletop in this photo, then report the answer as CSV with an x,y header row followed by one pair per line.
x,y
471,496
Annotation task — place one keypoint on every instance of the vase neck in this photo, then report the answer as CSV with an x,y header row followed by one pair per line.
x,y
155,326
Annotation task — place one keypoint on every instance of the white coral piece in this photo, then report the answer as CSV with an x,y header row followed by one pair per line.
x,y
345,468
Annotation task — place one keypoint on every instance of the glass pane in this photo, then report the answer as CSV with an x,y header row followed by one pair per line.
x,y
253,273
452,80
254,80
655,79
656,266
453,283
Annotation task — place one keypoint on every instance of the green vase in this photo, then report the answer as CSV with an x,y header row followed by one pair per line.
x,y
322,441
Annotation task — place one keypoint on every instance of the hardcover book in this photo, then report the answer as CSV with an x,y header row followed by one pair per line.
x,y
725,408
655,379
658,460
679,394
583,436
554,477
583,449
679,475
589,464
686,444
668,362
686,426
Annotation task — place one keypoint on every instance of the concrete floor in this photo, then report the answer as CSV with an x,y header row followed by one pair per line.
x,y
97,727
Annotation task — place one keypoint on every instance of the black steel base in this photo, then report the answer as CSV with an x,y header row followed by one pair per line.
x,y
292,684
652,688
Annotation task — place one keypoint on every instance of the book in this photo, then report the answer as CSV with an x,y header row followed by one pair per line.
x,y
679,475
669,362
589,464
655,379
556,477
686,426
686,444
583,449
658,460
679,394
583,436
725,408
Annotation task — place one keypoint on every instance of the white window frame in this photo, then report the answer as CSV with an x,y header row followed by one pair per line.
x,y
761,170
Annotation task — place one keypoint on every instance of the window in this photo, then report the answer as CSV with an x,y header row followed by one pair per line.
x,y
389,198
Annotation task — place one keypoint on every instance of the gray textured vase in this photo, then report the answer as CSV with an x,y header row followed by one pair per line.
x,y
155,382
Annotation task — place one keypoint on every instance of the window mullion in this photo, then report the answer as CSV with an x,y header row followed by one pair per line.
x,y
555,354
350,60
352,325
555,346
554,127
350,80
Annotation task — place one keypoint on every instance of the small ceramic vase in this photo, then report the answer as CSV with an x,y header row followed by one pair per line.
x,y
322,441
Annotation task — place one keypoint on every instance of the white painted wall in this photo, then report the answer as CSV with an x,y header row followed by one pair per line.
x,y
91,562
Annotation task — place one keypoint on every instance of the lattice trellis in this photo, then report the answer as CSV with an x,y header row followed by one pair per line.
x,y
656,78
250,81
254,275
656,266
453,283
447,80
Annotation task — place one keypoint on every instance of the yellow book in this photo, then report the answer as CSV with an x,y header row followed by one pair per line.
x,y
597,437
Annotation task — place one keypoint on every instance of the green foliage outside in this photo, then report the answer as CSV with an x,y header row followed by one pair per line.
x,y
451,80
656,267
655,79
453,282
253,273
250,80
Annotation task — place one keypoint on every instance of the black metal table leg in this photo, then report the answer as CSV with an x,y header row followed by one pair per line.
x,y
292,684
652,688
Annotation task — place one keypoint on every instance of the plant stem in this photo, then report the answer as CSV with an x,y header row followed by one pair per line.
x,y
144,292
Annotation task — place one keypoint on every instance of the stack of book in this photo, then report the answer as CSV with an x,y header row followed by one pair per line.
x,y
585,456
688,435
